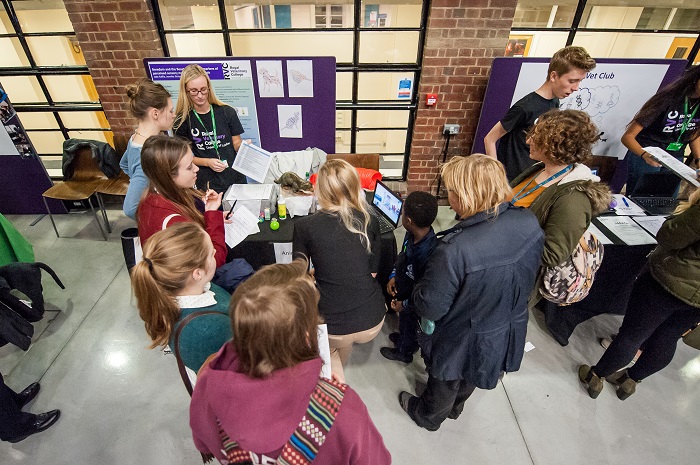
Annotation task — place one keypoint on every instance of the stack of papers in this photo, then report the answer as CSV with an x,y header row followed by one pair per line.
x,y
650,223
625,207
243,223
626,230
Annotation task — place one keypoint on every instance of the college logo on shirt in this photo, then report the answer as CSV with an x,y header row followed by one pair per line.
x,y
674,122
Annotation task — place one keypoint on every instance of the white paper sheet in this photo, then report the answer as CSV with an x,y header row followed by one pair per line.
x,y
626,207
681,169
252,161
593,229
243,224
650,223
529,346
627,230
270,78
249,192
290,121
300,78
324,351
283,252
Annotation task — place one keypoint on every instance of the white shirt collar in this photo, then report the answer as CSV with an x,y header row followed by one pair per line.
x,y
206,299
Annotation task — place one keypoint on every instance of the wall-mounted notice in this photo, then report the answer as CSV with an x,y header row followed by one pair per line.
x,y
232,81
290,121
300,78
405,86
270,78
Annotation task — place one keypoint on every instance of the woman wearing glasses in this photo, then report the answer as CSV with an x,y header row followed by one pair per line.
x,y
212,126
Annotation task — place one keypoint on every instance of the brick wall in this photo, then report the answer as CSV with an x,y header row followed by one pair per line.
x,y
462,39
115,37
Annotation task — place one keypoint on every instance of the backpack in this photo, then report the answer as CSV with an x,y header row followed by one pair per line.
x,y
571,280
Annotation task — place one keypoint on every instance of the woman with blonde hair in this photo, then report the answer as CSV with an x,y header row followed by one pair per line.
x,y
261,386
342,240
152,106
171,198
664,303
174,280
475,288
213,128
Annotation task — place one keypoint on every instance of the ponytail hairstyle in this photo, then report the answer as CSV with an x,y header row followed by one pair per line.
x,y
146,94
160,159
184,103
274,318
169,258
339,191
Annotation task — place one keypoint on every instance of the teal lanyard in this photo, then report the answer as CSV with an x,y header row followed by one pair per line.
x,y
213,123
518,196
687,120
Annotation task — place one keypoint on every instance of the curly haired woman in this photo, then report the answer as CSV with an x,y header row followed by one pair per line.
x,y
561,191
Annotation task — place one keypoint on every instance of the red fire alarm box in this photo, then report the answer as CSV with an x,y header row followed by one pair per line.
x,y
430,99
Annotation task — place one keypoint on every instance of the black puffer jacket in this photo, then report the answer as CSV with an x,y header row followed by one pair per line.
x,y
102,152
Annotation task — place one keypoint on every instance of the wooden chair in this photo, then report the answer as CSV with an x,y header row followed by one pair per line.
x,y
358,160
117,186
82,186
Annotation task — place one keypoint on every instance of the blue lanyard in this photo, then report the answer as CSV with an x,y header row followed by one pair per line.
x,y
518,196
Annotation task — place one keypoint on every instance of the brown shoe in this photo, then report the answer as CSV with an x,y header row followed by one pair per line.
x,y
593,383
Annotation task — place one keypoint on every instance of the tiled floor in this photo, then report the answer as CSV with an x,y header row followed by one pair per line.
x,y
124,404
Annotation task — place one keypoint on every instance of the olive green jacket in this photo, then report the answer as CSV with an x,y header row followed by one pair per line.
x,y
564,210
675,263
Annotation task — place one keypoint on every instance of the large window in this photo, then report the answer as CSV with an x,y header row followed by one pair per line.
x,y
44,73
377,46
608,28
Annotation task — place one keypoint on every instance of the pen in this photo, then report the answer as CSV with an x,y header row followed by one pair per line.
x,y
228,215
624,200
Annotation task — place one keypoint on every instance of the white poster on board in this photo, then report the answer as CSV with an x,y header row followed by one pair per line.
x,y
290,121
270,78
611,94
300,78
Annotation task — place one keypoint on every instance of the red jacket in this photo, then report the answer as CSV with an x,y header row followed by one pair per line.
x,y
262,414
156,213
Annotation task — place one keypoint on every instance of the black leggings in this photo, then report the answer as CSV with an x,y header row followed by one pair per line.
x,y
654,319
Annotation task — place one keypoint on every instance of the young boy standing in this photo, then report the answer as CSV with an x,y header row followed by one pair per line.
x,y
567,69
420,210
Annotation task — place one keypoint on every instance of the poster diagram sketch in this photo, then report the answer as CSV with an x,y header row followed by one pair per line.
x,y
270,78
611,94
290,121
300,78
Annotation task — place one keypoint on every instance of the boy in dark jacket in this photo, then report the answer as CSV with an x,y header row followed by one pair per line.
x,y
420,210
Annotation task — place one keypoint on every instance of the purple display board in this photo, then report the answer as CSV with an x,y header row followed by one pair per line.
x,y
612,93
23,177
289,85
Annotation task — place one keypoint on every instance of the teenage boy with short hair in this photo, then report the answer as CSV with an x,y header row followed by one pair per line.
x,y
567,68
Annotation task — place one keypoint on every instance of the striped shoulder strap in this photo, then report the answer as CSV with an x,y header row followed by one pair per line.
x,y
303,446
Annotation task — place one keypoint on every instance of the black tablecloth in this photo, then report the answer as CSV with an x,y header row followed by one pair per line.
x,y
259,250
610,291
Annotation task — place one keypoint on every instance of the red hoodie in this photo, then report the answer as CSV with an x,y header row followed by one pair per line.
x,y
262,414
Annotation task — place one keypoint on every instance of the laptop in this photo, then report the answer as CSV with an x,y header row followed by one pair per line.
x,y
656,193
386,208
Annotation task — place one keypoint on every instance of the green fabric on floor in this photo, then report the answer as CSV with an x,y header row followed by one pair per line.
x,y
13,246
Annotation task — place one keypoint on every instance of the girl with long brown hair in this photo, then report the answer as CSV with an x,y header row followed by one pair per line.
x,y
171,197
174,280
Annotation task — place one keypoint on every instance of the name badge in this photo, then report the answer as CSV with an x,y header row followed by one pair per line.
x,y
674,146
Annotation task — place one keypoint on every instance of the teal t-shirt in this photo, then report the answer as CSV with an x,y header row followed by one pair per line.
x,y
204,335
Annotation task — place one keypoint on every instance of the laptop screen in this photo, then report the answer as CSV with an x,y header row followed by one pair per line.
x,y
387,203
663,184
